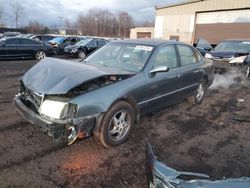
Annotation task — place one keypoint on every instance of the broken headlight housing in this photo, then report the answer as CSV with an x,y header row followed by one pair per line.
x,y
57,109
240,59
208,56
74,50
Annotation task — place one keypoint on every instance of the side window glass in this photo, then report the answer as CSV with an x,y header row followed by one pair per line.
x,y
100,43
187,55
92,44
166,56
12,41
26,41
199,57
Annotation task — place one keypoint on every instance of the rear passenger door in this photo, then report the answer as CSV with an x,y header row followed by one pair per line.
x,y
28,47
91,46
164,87
12,46
192,71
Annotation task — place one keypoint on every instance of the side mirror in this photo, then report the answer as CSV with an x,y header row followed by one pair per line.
x,y
158,69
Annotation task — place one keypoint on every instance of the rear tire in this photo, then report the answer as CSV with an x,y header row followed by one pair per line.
x,y
197,98
40,55
117,124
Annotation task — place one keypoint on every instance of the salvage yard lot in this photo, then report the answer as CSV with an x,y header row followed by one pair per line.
x,y
200,138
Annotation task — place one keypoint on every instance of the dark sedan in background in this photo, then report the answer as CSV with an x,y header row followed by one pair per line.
x,y
59,43
106,94
15,47
231,52
84,47
43,38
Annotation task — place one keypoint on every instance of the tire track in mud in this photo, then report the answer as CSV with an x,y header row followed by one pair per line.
x,y
32,157
6,101
12,76
20,124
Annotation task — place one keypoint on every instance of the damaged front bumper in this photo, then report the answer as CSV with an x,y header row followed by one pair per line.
x,y
160,175
57,128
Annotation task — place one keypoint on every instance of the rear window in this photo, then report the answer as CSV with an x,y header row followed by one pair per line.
x,y
13,41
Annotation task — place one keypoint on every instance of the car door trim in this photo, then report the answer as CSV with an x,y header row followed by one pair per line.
x,y
140,103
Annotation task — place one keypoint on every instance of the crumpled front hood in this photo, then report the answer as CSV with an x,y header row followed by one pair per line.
x,y
223,54
226,54
56,76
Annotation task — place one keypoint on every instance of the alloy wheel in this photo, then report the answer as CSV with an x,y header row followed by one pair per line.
x,y
200,91
40,55
119,125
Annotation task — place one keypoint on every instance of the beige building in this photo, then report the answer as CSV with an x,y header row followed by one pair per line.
x,y
142,32
213,20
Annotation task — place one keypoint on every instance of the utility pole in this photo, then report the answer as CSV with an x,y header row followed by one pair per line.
x,y
60,17
96,26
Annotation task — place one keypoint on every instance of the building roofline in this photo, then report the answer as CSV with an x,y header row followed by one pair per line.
x,y
177,4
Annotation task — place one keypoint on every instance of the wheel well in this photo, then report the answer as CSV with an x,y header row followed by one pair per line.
x,y
133,103
206,79
129,100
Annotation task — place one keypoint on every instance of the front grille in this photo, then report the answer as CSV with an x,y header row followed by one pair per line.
x,y
35,97
30,96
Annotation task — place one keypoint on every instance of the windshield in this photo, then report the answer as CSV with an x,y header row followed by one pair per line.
x,y
83,42
58,39
236,46
122,56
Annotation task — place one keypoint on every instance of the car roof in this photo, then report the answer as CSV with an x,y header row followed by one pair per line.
x,y
149,42
20,38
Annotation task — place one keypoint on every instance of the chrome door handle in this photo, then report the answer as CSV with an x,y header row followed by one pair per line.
x,y
196,71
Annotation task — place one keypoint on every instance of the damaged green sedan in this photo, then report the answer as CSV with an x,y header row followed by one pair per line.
x,y
106,94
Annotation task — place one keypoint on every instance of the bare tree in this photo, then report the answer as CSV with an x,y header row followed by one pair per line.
x,y
145,24
125,23
18,13
35,27
102,22
68,24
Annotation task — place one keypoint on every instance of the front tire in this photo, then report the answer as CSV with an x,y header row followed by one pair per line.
x,y
81,55
247,73
117,124
197,98
40,55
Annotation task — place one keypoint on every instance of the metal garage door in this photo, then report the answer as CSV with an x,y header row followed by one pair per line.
x,y
143,35
220,25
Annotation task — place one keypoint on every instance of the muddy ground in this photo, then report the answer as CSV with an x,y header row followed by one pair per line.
x,y
200,138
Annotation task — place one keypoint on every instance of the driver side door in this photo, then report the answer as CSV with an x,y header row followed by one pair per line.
x,y
91,46
164,87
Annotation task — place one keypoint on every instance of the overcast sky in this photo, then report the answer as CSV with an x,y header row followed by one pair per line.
x,y
48,11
